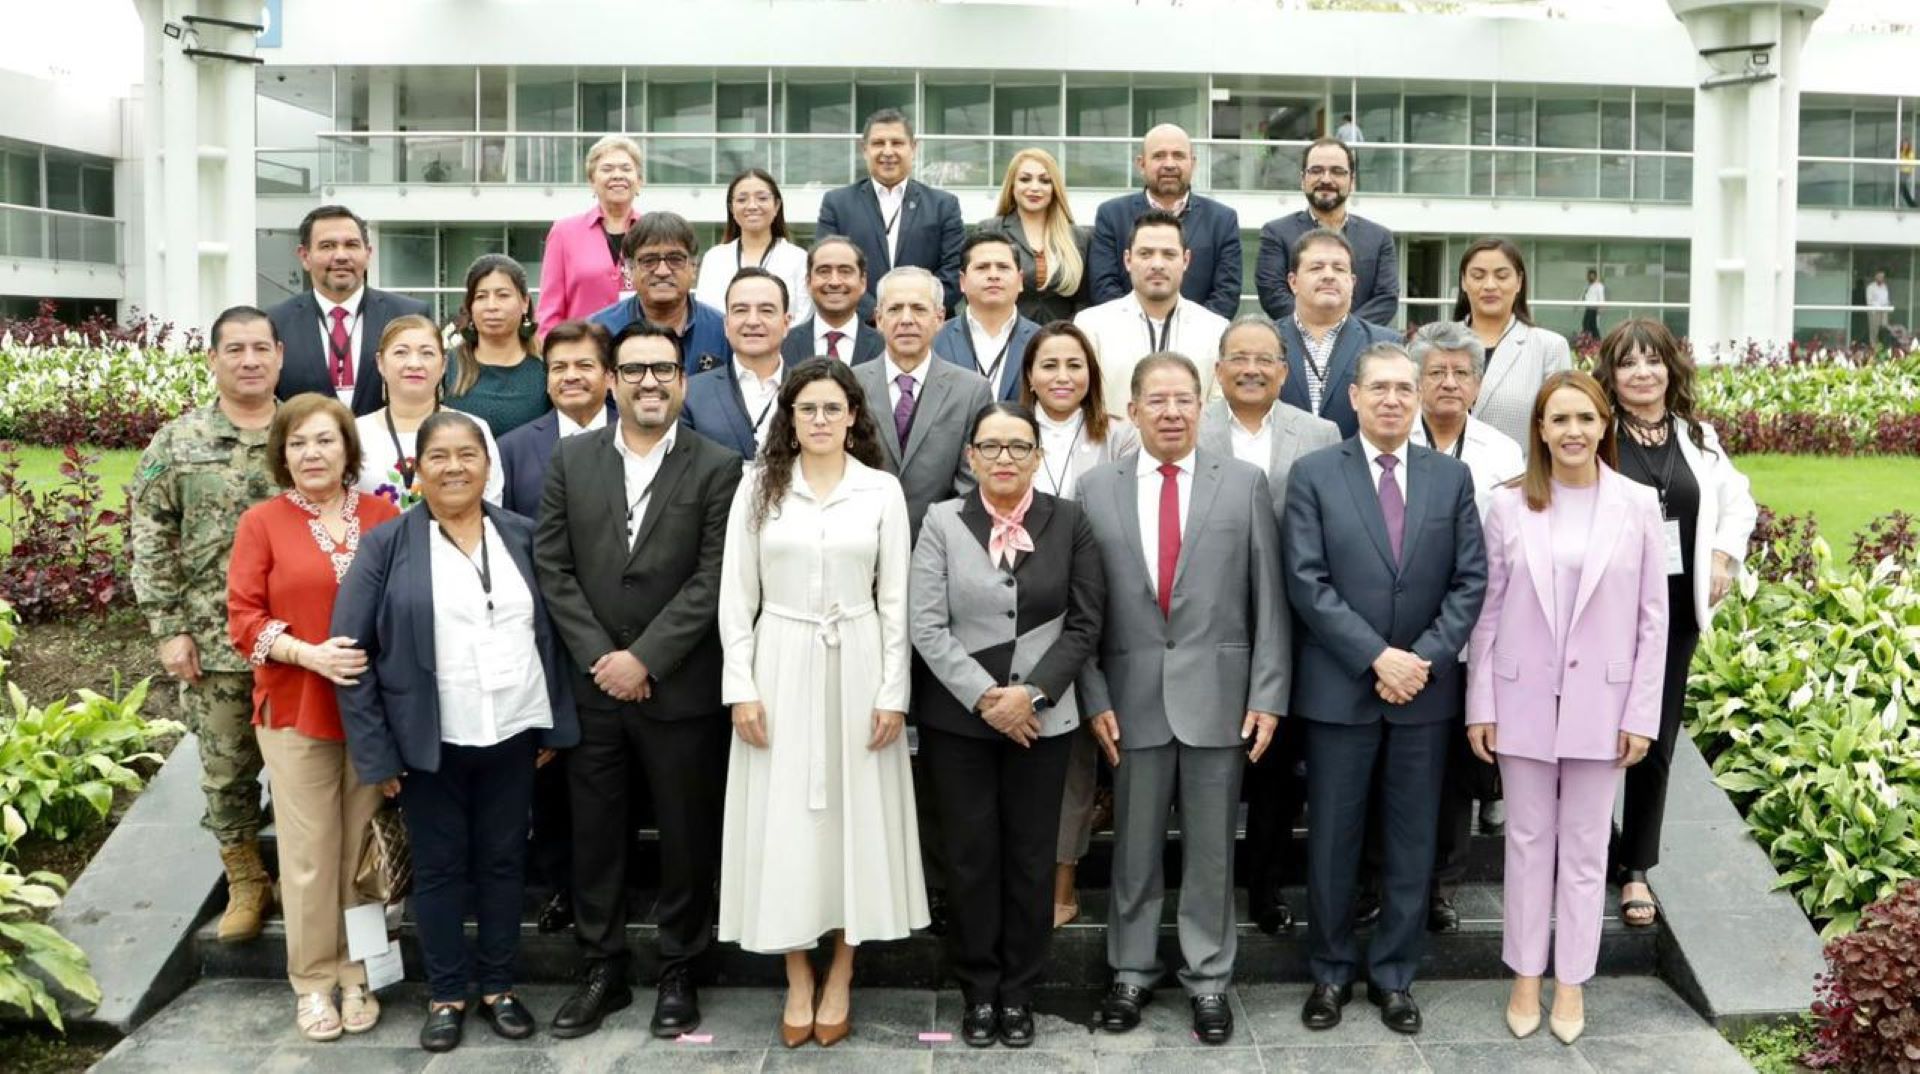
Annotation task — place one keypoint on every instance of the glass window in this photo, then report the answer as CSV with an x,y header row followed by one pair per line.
x,y
1379,118
63,181
527,243
1825,131
277,273
544,101
1874,135
1437,119
1099,111
1262,117
1557,272
1025,112
351,100
20,175
818,108
406,256
742,107
436,99
680,106
1178,105
463,244
948,156
599,111
873,91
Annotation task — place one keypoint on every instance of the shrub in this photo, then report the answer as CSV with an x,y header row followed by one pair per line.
x,y
30,949
62,561
60,765
111,392
1868,1001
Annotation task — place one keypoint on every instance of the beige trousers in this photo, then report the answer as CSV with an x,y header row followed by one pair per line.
x,y
320,816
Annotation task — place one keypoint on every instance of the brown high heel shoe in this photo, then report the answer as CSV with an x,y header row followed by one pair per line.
x,y
794,1036
829,1034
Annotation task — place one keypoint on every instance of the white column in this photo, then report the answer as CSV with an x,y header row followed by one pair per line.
x,y
237,211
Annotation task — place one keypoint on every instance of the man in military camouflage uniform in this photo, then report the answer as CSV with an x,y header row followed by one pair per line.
x,y
202,471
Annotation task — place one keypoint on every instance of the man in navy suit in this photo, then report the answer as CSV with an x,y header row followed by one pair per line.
x,y
733,405
837,280
1328,171
895,219
1324,339
1212,230
332,331
579,358
992,338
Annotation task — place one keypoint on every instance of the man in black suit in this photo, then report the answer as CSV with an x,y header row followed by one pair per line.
x,y
332,331
896,220
837,280
733,405
1210,228
632,525
1386,571
1329,169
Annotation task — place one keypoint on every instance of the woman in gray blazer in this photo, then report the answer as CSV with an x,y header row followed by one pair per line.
x,y
1492,302
1004,603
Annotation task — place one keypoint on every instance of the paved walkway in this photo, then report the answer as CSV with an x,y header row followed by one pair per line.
x,y
1635,1024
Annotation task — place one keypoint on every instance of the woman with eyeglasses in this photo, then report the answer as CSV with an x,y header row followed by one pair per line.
x,y
1006,597
413,371
819,835
755,236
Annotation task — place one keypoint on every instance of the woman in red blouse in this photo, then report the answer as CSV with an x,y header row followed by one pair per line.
x,y
289,555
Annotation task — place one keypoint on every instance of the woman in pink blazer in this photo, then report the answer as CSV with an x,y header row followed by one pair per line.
x,y
582,272
1566,668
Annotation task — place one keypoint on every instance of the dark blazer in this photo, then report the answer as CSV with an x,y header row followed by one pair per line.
x,y
930,232
798,346
297,322
1212,233
1376,268
523,458
977,625
716,410
1037,305
657,598
392,715
1354,602
954,342
1355,336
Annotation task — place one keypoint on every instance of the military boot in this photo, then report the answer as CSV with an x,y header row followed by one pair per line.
x,y
249,892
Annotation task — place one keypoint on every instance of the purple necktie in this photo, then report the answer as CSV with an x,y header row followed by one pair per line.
x,y
1393,506
903,410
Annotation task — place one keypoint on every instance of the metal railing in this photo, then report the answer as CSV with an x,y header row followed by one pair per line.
x,y
287,170
1859,183
56,235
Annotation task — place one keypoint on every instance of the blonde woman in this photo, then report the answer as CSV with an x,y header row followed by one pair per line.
x,y
1052,251
582,270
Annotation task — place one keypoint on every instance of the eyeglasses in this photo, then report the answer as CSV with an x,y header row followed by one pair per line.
x,y
813,412
1320,171
1017,450
1160,404
652,262
636,372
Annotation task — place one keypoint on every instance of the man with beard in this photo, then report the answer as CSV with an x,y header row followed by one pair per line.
x,y
1153,316
1212,230
1328,172
331,330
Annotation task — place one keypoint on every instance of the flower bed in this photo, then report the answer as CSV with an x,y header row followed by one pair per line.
x,y
114,395
1836,407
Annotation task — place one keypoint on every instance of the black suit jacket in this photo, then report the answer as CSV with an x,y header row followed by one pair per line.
x,y
658,598
523,456
1376,268
1036,305
1355,337
798,346
1355,601
930,232
297,321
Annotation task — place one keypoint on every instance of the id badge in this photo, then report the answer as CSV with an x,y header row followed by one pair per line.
x,y
501,664
1671,529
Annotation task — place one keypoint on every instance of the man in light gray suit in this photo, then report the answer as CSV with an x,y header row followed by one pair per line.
x,y
1193,667
1252,425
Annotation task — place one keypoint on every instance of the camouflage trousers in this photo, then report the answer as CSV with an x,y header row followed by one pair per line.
x,y
220,711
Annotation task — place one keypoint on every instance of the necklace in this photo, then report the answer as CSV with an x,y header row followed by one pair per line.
x,y
1646,431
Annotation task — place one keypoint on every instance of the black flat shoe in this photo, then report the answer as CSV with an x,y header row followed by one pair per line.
x,y
1120,1010
1270,912
1016,1025
441,1031
557,914
980,1026
1441,915
676,1007
1212,1019
1398,1011
1322,1009
1366,911
509,1017
603,992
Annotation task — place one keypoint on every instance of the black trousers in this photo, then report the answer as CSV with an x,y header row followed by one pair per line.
x,y
685,762
999,810
1340,767
467,827
1468,779
1645,801
1590,322
551,852
1276,791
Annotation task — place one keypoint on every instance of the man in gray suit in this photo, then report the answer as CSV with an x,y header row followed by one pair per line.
x,y
1252,425
1193,667
1386,570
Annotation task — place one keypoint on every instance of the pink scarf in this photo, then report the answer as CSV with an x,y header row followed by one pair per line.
x,y
1008,536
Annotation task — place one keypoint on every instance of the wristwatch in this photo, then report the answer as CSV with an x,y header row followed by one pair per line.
x,y
1039,698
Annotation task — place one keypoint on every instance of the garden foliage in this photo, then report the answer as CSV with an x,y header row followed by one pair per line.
x,y
98,383
1869,1016
1836,407
63,560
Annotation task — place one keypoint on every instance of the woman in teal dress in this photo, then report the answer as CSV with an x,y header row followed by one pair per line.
x,y
495,374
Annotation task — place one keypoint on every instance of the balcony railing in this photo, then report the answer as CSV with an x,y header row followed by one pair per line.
x,y
1859,183
54,235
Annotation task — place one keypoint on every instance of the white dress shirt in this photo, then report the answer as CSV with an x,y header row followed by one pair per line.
x,y
639,471
1255,447
569,427
1596,293
472,643
759,396
784,259
1149,507
892,203
1491,457
1879,296
919,376
353,306
990,348
1057,442
1122,334
849,332
1374,467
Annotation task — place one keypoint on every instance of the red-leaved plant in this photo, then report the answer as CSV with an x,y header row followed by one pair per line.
x,y
1868,1001
46,329
62,560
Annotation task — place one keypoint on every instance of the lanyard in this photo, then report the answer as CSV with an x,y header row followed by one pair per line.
x,y
740,253
1060,480
334,353
1166,331
1459,442
406,468
484,568
764,411
992,372
1665,478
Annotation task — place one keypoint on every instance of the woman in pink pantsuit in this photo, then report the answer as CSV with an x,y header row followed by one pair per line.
x,y
1566,668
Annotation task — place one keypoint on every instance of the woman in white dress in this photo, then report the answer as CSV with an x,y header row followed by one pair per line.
x,y
412,367
819,834
755,234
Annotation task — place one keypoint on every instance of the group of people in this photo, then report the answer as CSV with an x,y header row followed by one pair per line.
x,y
656,537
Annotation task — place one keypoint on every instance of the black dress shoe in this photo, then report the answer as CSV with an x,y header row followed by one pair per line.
x,y
1120,1010
1441,916
557,914
1270,912
1322,1009
509,1017
1366,910
1493,817
441,1031
676,1008
980,1026
937,913
1212,1019
1016,1025
1398,1011
603,992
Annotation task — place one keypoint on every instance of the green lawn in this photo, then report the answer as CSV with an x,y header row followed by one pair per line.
x,y
40,469
1843,494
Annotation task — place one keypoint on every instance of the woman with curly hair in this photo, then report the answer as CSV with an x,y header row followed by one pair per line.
x,y
819,834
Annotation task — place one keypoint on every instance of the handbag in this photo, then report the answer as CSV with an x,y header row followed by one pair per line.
x,y
386,864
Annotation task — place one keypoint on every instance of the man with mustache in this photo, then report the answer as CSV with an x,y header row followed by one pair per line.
x,y
661,249
1329,170
1154,316
1212,230
896,220
1324,338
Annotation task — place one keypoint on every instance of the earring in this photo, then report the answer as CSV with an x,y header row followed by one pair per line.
x,y
793,444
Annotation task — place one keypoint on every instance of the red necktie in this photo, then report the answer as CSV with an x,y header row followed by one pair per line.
x,y
340,346
833,344
1169,533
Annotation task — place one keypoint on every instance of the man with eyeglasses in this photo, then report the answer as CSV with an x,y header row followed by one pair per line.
x,y
1251,424
1324,339
733,405
1386,571
1190,679
632,525
661,249
1329,170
